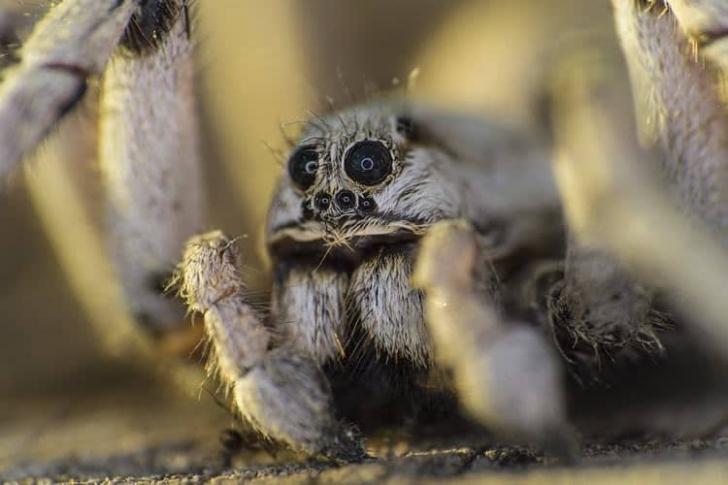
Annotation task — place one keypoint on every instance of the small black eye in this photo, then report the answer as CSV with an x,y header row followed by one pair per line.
x,y
368,162
367,204
302,166
345,199
322,201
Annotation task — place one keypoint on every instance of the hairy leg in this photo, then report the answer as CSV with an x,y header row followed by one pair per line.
x,y
73,42
600,314
276,388
63,186
505,373
64,191
619,202
600,303
679,107
150,159
151,175
149,134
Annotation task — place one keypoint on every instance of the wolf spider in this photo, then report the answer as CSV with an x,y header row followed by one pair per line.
x,y
415,251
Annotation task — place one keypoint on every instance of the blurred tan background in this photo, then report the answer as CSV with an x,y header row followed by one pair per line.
x,y
262,65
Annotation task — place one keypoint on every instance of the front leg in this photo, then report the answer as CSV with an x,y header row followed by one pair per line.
x,y
505,373
276,388
120,251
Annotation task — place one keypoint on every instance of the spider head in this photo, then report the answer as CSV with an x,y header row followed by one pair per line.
x,y
359,178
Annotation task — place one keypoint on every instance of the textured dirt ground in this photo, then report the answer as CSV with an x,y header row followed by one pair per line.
x,y
131,430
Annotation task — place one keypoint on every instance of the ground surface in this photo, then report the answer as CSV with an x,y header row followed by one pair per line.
x,y
131,430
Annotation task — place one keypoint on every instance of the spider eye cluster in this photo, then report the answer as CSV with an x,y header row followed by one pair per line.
x,y
302,166
368,162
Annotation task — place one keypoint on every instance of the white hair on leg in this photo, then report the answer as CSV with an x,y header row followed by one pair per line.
x,y
150,162
613,200
279,390
679,110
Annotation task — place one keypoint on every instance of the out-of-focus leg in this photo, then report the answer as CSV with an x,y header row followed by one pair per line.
x,y
73,42
679,108
60,182
150,161
506,374
600,314
655,219
66,197
601,302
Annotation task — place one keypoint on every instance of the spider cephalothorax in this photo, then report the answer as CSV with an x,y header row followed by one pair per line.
x,y
358,177
343,225
361,189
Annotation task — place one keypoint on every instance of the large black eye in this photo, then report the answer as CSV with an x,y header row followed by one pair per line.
x,y
302,166
368,162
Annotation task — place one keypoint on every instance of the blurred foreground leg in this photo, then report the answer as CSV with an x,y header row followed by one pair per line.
x,y
616,201
74,41
150,162
506,375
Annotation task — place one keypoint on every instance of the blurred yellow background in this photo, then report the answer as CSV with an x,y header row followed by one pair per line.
x,y
268,64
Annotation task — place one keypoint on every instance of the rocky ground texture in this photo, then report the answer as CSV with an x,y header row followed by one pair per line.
x,y
132,430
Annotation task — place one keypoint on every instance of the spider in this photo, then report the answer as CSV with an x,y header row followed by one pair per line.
x,y
416,251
